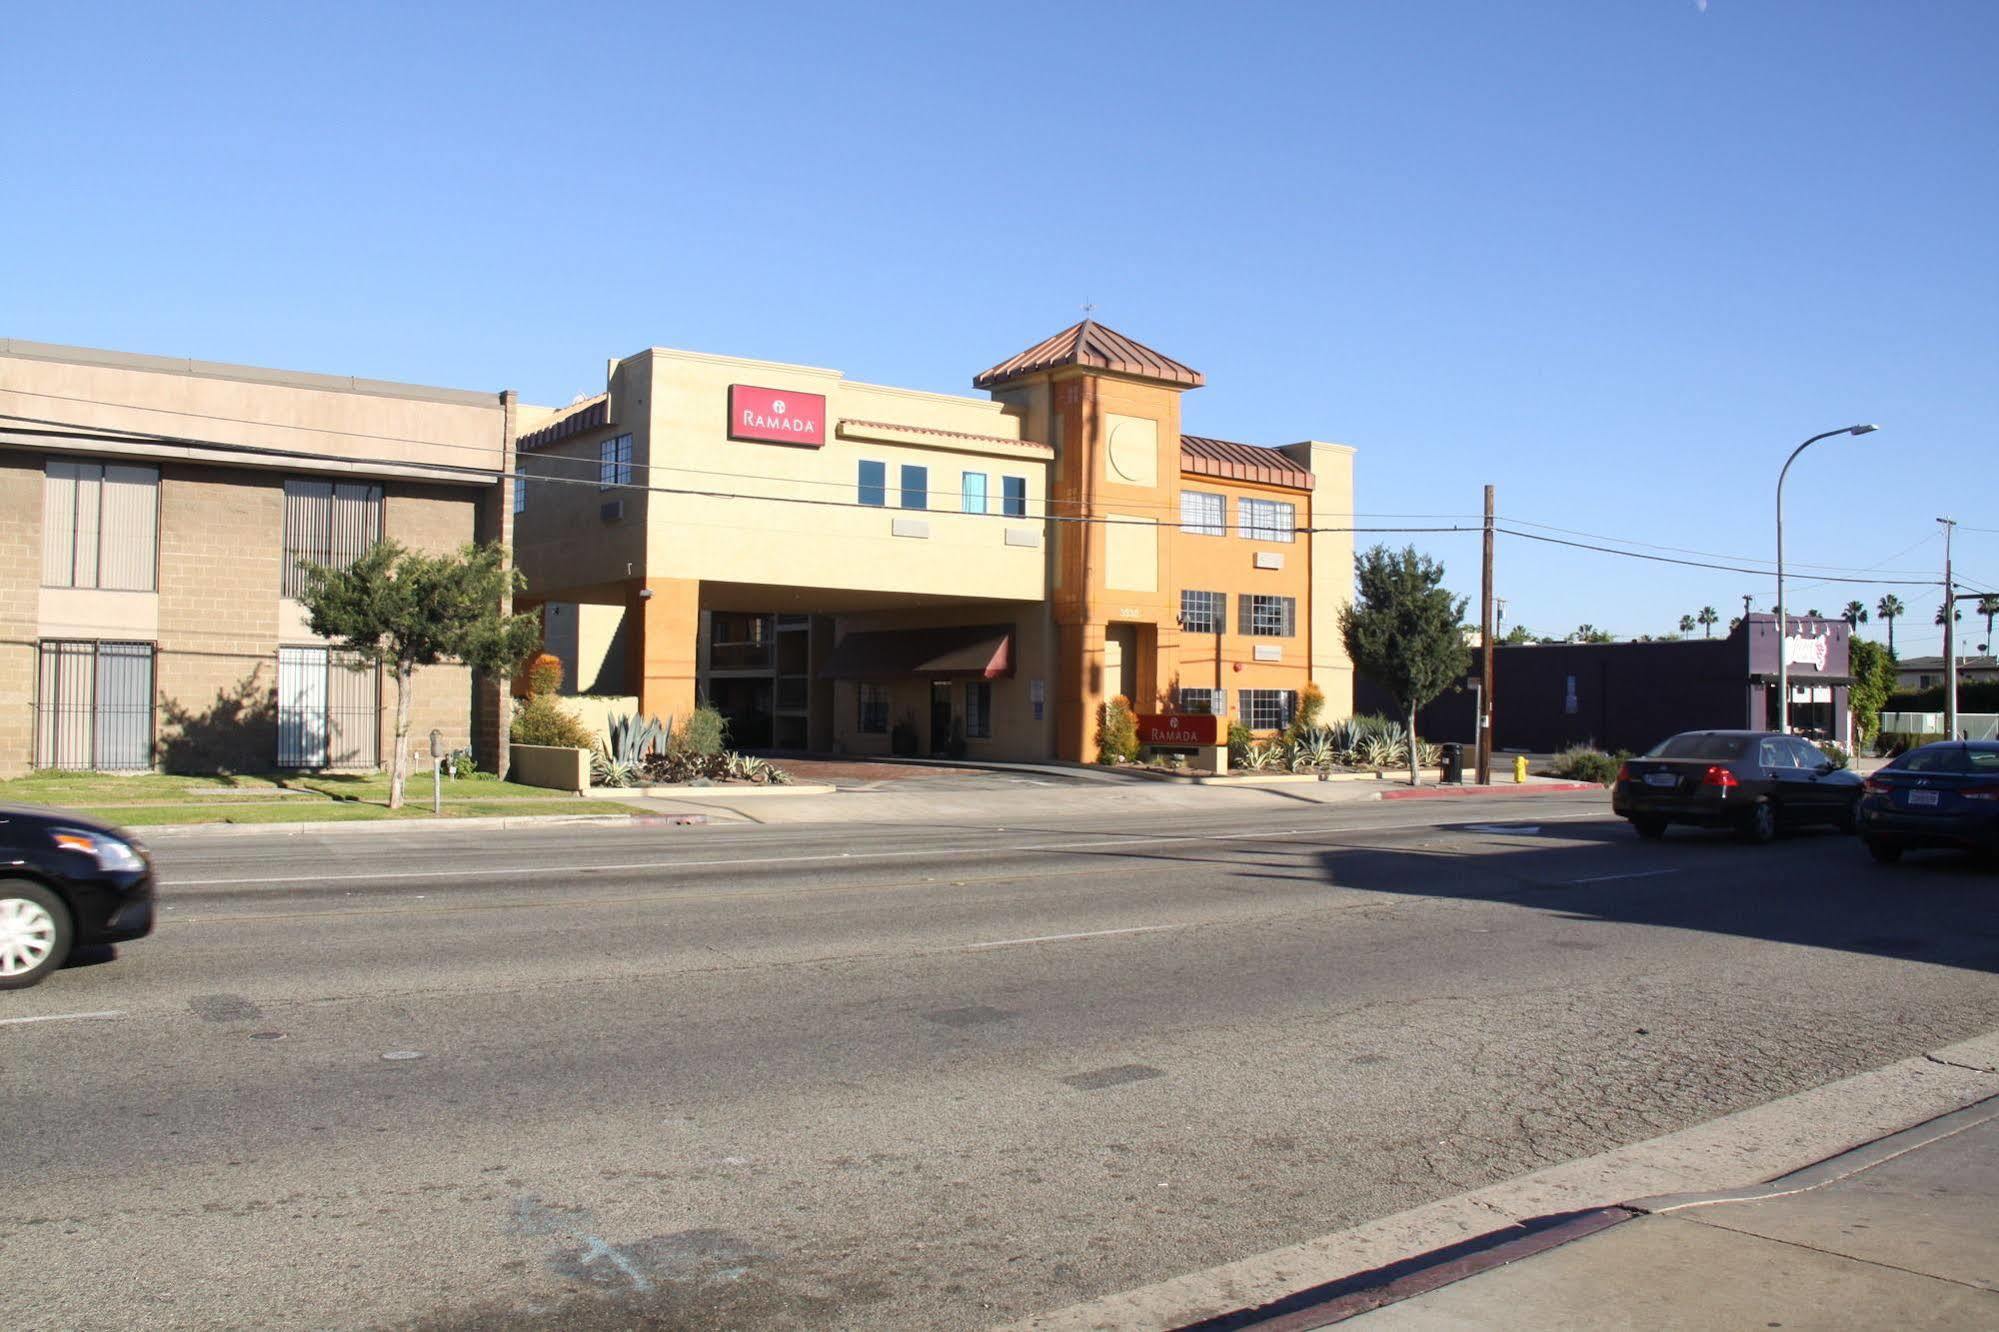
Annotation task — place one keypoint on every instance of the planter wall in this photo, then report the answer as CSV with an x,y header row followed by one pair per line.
x,y
553,766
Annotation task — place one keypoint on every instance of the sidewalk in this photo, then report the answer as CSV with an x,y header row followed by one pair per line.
x,y
1903,1232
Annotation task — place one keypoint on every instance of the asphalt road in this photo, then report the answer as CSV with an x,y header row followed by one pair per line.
x,y
887,1076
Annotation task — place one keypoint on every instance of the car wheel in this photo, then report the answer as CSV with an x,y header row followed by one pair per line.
x,y
34,933
1760,824
1651,829
1885,852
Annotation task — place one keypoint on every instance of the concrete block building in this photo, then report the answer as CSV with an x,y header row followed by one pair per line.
x,y
856,568
153,515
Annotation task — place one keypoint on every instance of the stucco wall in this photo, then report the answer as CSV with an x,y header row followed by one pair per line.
x,y
20,586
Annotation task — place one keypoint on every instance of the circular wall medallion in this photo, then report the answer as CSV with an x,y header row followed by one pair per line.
x,y
1131,450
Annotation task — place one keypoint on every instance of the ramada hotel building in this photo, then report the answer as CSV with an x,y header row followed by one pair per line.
x,y
840,567
844,567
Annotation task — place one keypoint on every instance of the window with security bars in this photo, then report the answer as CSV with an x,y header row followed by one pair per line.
x,y
331,523
978,710
100,525
1267,709
520,489
1203,612
874,709
1200,702
329,709
1201,513
94,706
614,462
1267,617
1267,520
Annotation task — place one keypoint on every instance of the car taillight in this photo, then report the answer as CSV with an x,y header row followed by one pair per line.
x,y
1987,793
1875,786
1624,772
1720,776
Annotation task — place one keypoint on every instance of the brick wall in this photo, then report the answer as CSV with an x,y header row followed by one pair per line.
x,y
221,548
20,584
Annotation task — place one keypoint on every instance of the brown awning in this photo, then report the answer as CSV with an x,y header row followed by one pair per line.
x,y
968,652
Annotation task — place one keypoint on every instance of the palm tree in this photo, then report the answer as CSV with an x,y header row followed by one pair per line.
x,y
1855,614
1889,608
1687,624
1989,608
1956,615
1708,618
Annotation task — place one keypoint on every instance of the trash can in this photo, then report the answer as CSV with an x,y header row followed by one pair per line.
x,y
1451,764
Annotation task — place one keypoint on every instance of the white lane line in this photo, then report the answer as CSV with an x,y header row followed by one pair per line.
x,y
1612,878
64,1017
1064,938
501,871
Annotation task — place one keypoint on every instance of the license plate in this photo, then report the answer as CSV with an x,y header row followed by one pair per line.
x,y
1661,779
1922,797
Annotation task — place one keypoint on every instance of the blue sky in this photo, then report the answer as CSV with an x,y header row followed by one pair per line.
x,y
1615,259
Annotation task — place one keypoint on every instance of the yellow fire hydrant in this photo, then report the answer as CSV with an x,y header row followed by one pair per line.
x,y
1519,769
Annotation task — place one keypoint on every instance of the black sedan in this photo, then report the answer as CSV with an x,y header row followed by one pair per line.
x,y
1753,781
65,882
1945,794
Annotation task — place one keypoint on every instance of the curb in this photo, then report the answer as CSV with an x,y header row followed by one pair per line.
x,y
1456,792
1809,1137
711,792
173,832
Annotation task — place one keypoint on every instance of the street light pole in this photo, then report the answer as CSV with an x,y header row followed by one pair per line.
x,y
1949,636
1783,619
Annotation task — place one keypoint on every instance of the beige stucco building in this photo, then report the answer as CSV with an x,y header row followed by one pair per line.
x,y
853,568
153,512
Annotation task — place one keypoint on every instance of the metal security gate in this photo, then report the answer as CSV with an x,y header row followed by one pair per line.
x,y
94,706
329,712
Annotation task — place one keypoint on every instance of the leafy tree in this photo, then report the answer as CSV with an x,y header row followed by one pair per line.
x,y
1686,624
1873,668
1708,618
1519,634
1890,609
1402,630
403,609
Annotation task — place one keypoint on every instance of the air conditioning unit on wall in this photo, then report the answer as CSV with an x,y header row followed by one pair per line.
x,y
612,511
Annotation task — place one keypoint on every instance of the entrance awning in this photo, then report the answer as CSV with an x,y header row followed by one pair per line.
x,y
966,652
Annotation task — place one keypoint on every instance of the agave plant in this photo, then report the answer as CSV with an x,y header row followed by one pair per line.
x,y
1384,751
1347,739
1428,755
628,741
1263,756
1314,750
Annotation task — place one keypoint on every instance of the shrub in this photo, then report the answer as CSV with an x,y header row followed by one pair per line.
x,y
1587,763
1263,756
542,720
629,740
1311,701
1117,731
1240,739
1837,753
705,732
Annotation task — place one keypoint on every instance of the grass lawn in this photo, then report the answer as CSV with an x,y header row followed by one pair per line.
x,y
140,799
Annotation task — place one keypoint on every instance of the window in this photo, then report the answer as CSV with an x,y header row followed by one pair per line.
x,y
94,706
1267,617
100,525
614,462
1200,514
1203,612
1696,745
1267,520
738,641
1201,702
978,710
874,483
975,492
1013,496
330,523
328,709
520,490
1267,709
915,486
874,709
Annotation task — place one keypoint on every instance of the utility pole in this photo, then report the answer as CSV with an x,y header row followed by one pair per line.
x,y
1488,648
1745,607
1949,637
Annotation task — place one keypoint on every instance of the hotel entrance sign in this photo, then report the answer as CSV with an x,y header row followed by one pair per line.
x,y
774,416
1186,730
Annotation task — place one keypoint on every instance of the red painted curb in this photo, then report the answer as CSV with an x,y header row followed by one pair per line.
x,y
1452,792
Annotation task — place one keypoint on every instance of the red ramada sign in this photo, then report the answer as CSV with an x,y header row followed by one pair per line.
x,y
1179,728
773,416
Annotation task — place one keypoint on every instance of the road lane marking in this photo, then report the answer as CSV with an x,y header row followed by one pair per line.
x,y
731,862
1086,934
65,1017
1612,878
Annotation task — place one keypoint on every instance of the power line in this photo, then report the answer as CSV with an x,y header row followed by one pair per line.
x,y
1697,564
1709,554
